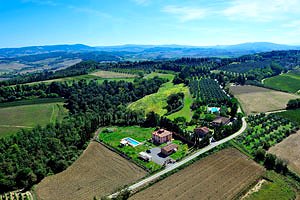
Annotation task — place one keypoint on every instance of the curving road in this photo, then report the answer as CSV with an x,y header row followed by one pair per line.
x,y
185,160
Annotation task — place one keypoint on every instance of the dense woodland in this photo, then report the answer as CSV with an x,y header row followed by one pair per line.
x,y
27,157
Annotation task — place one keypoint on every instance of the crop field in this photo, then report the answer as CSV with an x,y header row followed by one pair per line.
x,y
161,75
257,99
289,150
110,74
14,118
275,188
97,172
158,101
292,115
223,175
289,82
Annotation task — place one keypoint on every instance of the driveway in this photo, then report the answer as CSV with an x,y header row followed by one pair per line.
x,y
157,157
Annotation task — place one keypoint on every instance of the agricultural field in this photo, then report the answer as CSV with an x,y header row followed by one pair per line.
x,y
223,175
289,150
158,101
207,90
292,115
161,75
289,82
97,172
13,118
274,187
110,74
257,99
142,135
265,131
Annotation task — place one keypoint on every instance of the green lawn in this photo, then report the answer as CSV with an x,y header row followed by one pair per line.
x,y
289,82
275,189
13,118
293,115
158,101
186,110
142,135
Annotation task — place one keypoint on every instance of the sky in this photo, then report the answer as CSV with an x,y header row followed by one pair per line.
x,y
118,22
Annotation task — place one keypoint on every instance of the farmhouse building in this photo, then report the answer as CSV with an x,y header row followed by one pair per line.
x,y
169,149
220,121
202,131
161,136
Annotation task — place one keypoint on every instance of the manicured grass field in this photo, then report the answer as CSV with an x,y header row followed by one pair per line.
x,y
186,110
14,118
139,134
289,82
158,101
275,189
293,115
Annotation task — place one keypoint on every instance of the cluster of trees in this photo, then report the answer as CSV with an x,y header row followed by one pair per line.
x,y
175,102
271,162
293,104
208,92
29,156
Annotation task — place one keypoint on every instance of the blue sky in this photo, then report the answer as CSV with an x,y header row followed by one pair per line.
x,y
114,22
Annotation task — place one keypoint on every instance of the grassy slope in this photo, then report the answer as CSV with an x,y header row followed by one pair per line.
x,y
158,101
277,189
27,116
289,82
293,115
186,110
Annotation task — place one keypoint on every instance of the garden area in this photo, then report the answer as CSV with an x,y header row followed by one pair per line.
x,y
113,135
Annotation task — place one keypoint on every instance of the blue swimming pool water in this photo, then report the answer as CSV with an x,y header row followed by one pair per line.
x,y
214,109
132,141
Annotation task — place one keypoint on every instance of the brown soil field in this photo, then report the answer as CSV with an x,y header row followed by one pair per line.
x,y
109,74
223,175
289,150
257,99
97,172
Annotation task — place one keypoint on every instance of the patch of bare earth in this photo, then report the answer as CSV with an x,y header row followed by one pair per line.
x,y
98,172
257,99
110,74
223,175
289,150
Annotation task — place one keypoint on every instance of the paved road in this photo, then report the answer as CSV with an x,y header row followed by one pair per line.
x,y
187,159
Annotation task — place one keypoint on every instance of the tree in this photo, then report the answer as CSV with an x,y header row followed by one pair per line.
x,y
260,155
152,120
270,161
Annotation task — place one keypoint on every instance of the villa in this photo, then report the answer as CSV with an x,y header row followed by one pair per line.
x,y
202,131
220,121
161,136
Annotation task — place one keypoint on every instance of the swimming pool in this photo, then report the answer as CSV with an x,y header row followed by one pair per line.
x,y
213,109
132,142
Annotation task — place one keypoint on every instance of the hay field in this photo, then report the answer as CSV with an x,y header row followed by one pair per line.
x,y
289,150
222,175
257,99
110,74
97,172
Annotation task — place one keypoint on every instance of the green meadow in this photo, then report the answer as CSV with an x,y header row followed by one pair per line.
x,y
289,82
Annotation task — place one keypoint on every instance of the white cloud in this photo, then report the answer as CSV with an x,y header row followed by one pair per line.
x,y
261,10
185,13
89,11
292,24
